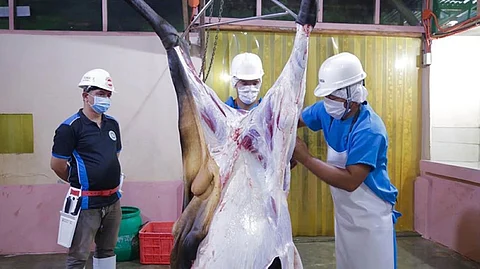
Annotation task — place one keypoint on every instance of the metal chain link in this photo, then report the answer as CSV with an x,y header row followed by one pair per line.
x,y
202,69
216,38
220,12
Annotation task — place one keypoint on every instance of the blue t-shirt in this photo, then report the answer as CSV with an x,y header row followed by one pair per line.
x,y
367,144
231,103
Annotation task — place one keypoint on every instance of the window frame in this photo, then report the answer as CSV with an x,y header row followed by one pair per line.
x,y
11,14
269,25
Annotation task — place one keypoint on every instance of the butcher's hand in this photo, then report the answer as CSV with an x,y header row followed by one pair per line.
x,y
301,153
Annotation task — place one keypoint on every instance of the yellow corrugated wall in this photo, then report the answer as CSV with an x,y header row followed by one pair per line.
x,y
394,86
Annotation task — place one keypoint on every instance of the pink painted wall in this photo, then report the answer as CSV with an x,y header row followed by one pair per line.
x,y
447,207
29,214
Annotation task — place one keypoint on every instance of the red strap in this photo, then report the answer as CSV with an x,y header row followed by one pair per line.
x,y
74,192
95,193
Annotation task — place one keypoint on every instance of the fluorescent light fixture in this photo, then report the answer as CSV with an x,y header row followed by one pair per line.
x,y
451,23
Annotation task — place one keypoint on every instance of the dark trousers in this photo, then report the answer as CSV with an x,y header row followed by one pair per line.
x,y
100,225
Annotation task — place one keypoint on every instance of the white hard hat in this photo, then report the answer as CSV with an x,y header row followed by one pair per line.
x,y
97,78
247,66
337,72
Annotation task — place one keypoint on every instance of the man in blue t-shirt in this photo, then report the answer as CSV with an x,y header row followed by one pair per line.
x,y
246,73
356,165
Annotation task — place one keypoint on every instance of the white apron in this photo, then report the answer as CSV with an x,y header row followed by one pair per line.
x,y
364,232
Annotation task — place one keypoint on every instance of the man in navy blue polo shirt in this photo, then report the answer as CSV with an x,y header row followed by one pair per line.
x,y
85,154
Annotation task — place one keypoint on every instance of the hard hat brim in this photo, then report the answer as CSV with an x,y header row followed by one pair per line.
x,y
81,86
248,77
322,92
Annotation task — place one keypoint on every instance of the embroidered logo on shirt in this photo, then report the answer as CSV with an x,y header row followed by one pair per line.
x,y
112,135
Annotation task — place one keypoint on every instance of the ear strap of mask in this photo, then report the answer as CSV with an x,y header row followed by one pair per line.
x,y
349,103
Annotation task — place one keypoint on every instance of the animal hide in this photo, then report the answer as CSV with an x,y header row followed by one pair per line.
x,y
236,162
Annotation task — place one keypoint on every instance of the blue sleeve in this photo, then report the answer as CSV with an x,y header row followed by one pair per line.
x,y
366,148
312,116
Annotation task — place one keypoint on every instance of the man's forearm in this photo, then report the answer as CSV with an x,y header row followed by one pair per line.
x,y
62,173
332,175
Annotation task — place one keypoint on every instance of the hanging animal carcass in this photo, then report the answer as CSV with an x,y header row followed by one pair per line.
x,y
236,163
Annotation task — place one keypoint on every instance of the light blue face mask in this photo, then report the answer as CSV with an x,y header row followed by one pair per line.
x,y
100,104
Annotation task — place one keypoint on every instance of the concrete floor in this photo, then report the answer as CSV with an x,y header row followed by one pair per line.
x,y
318,252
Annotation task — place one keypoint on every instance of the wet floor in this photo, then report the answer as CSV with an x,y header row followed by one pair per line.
x,y
316,253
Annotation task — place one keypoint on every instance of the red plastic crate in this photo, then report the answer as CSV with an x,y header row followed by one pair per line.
x,y
156,242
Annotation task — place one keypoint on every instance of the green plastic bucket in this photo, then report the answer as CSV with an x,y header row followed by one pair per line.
x,y
127,247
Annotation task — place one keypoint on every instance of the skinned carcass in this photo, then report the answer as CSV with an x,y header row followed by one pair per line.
x,y
236,163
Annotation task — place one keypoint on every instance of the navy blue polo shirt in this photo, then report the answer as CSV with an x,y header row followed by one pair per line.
x,y
92,154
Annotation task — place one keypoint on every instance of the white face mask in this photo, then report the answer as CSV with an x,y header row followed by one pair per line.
x,y
248,94
334,108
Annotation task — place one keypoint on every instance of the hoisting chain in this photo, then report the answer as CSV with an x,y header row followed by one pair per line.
x,y
220,11
202,69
